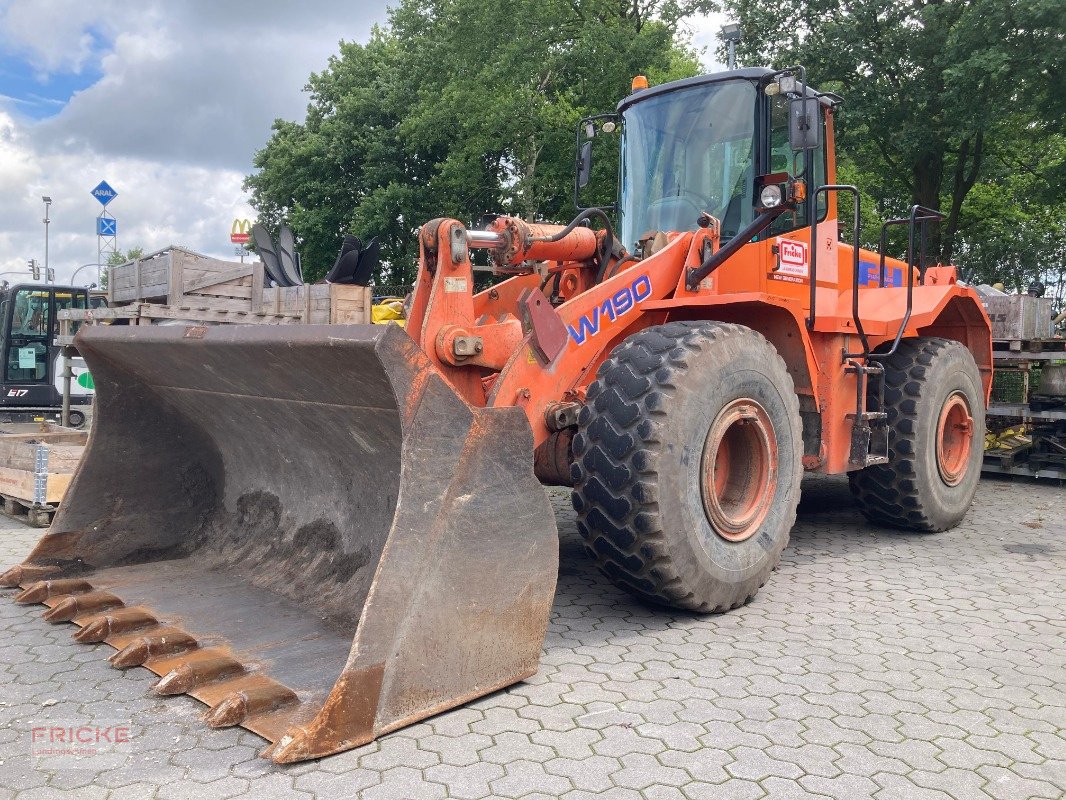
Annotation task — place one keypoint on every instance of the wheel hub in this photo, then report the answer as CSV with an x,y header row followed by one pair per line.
x,y
739,470
954,439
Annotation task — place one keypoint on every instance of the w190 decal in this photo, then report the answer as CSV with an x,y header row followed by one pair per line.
x,y
621,302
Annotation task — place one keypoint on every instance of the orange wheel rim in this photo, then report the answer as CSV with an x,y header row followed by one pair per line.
x,y
739,470
954,439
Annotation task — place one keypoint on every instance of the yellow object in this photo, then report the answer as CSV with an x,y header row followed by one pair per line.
x,y
390,309
639,82
1011,437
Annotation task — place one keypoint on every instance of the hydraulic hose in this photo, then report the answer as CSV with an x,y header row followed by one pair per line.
x,y
608,244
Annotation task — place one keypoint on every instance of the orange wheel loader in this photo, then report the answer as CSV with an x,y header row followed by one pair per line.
x,y
326,533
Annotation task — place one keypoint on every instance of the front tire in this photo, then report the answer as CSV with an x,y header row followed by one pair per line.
x,y
687,464
936,428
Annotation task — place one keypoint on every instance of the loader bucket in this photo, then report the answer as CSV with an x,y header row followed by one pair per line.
x,y
304,527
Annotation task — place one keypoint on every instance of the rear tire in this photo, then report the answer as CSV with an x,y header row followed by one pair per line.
x,y
933,393
687,464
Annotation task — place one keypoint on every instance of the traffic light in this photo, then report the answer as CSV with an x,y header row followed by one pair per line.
x,y
35,269
51,275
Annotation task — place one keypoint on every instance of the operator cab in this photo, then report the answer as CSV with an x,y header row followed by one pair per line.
x,y
702,145
31,382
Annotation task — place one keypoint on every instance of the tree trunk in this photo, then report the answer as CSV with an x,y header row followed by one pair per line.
x,y
928,178
967,168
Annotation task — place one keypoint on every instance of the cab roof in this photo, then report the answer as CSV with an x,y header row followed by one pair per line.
x,y
748,73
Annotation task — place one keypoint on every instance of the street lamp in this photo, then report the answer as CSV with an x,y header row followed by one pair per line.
x,y
47,204
731,34
83,266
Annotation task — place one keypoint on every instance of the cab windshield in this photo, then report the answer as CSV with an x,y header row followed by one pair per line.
x,y
685,152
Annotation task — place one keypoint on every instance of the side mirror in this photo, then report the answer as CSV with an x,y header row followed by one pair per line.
x,y
584,165
804,126
588,131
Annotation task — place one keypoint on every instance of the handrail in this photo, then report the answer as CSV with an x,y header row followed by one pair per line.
x,y
812,313
714,260
927,215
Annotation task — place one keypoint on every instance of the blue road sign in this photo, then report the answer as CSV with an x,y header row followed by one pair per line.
x,y
104,193
106,226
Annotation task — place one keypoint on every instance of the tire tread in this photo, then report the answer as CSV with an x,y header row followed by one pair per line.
x,y
887,494
615,486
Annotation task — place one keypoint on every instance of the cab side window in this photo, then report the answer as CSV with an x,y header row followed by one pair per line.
x,y
784,159
31,331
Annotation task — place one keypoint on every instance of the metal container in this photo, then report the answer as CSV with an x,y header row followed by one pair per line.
x,y
1019,316
1052,381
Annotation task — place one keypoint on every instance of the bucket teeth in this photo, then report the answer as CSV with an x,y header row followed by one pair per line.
x,y
188,676
293,746
43,590
240,704
99,627
166,641
16,576
69,607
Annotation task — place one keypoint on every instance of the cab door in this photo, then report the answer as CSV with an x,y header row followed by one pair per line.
x,y
787,243
26,362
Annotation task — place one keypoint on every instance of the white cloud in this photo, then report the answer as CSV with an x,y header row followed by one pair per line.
x,y
54,35
188,93
158,204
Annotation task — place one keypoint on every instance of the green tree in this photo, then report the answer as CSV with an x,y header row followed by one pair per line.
x,y
122,257
1012,227
457,108
935,89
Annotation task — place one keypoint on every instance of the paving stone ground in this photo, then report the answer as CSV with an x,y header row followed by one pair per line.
x,y
873,665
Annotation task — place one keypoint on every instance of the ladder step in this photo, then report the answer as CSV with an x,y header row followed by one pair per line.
x,y
869,416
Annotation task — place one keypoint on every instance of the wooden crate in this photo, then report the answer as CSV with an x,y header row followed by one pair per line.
x,y
320,303
37,464
179,284
169,276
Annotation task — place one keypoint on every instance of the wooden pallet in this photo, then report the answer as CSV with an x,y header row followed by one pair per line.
x,y
37,464
1007,456
1034,349
33,515
320,303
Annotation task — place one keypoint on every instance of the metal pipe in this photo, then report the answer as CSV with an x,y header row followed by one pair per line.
x,y
68,375
856,222
83,266
47,206
483,239
918,214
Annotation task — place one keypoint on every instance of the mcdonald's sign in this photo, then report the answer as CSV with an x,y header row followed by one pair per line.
x,y
240,231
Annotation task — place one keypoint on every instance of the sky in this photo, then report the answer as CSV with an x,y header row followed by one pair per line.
x,y
167,102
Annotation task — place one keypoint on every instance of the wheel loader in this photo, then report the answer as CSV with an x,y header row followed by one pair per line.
x,y
326,533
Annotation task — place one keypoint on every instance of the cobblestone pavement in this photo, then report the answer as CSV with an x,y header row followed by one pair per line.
x,y
873,664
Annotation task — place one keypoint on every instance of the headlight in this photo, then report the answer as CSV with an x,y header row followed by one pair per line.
x,y
770,196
